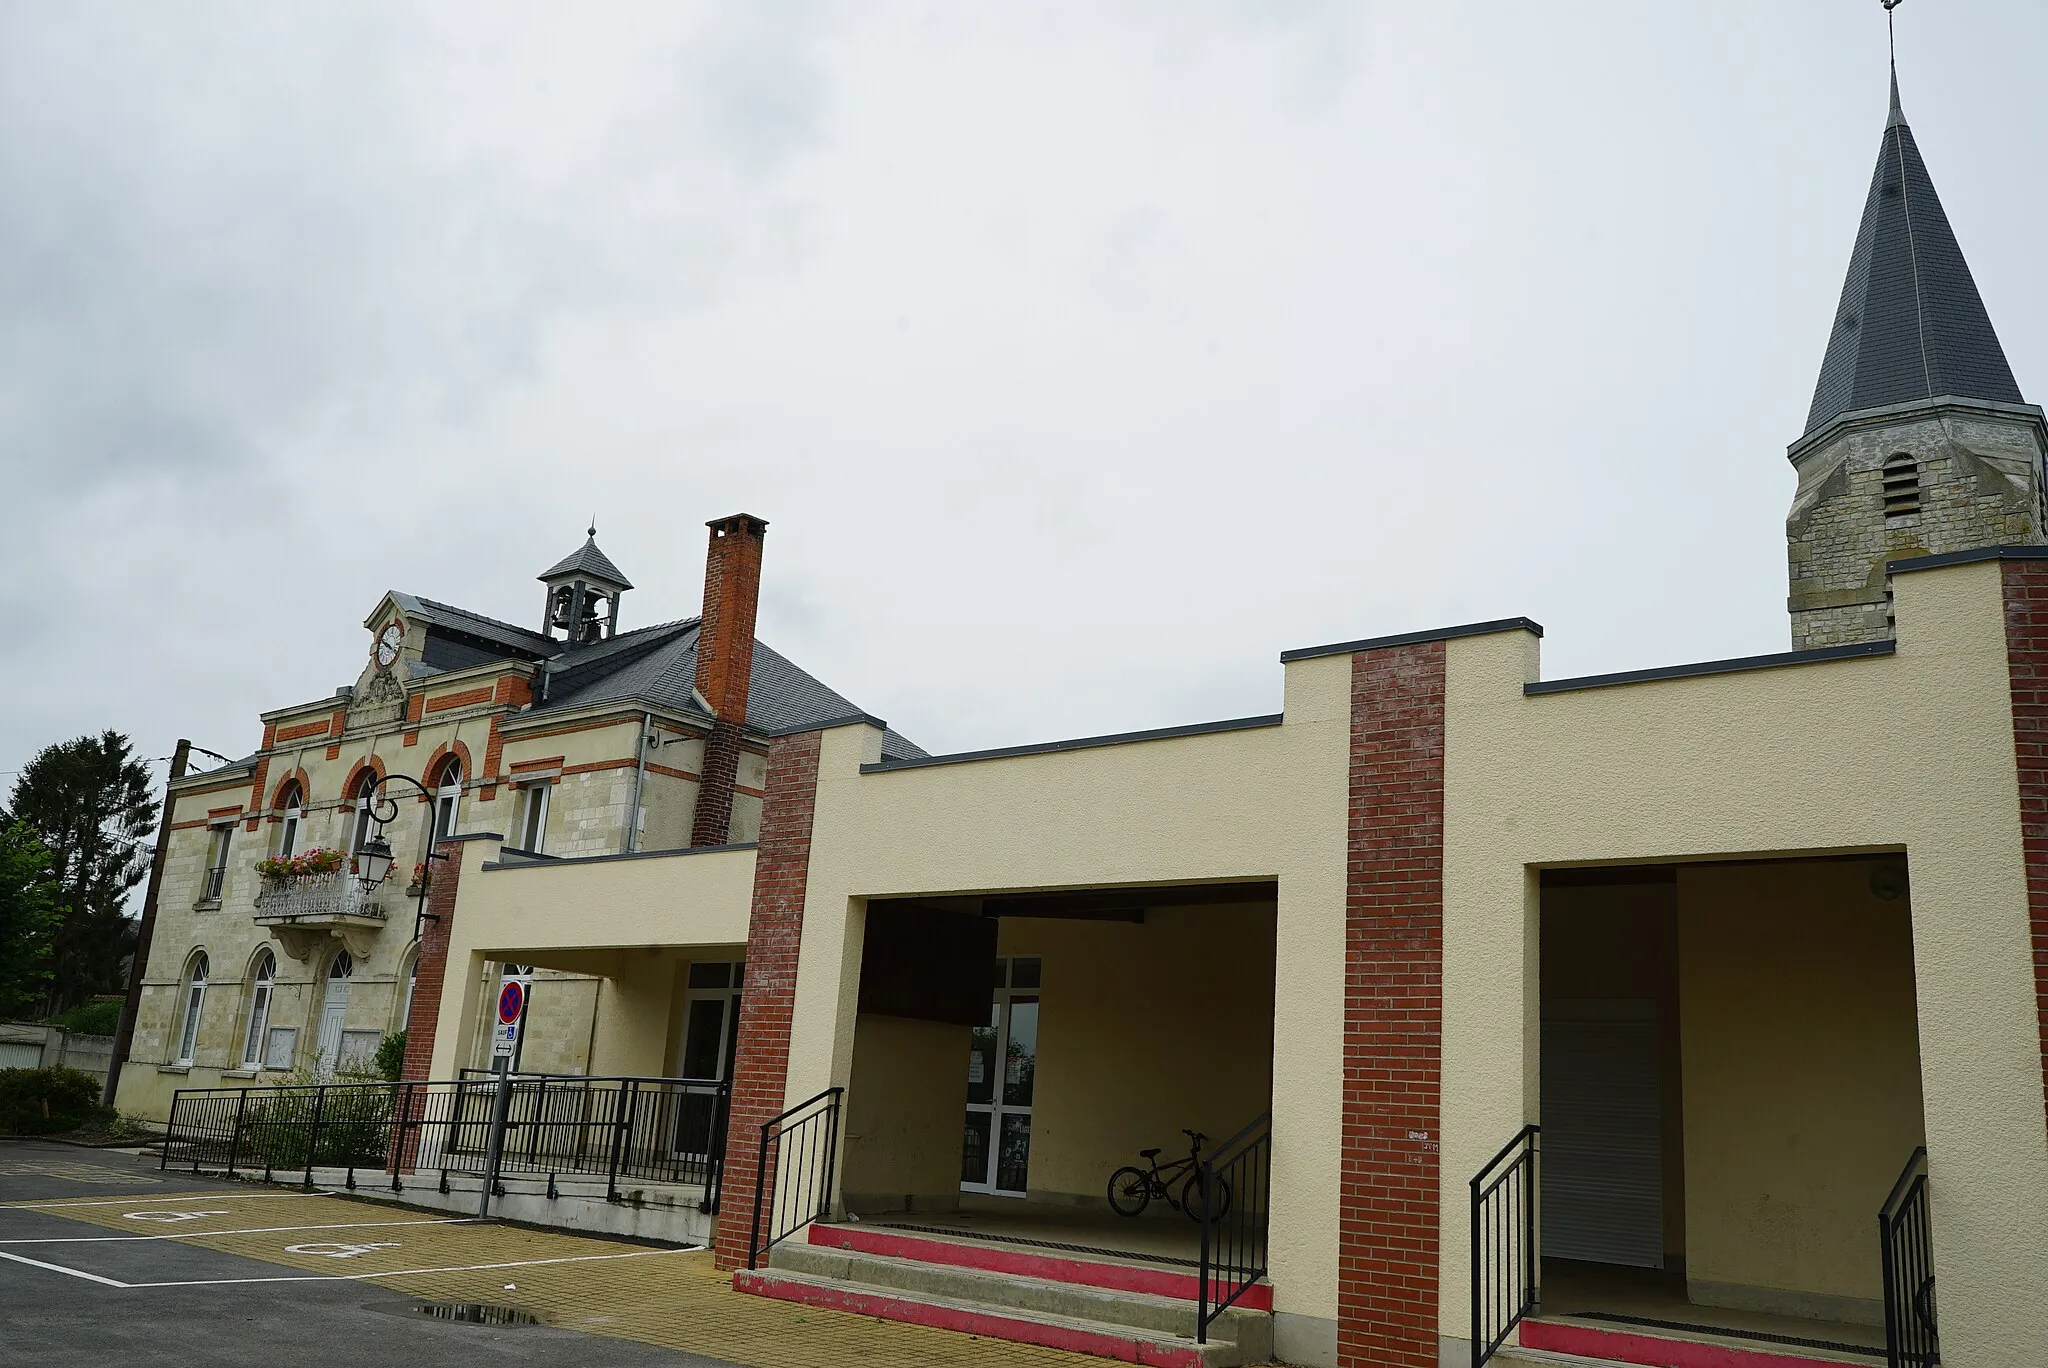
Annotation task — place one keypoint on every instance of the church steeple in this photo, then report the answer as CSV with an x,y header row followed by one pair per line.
x,y
1918,440
1911,325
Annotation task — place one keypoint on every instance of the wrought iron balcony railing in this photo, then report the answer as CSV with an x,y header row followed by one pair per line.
x,y
318,897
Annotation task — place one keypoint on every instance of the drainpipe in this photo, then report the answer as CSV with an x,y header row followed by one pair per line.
x,y
124,1034
639,783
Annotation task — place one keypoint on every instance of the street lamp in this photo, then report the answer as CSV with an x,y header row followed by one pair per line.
x,y
373,860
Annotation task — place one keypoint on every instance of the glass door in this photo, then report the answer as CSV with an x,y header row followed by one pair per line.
x,y
1002,1070
711,1018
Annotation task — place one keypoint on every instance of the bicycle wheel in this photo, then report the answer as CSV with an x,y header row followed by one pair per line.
x,y
1191,1198
1130,1191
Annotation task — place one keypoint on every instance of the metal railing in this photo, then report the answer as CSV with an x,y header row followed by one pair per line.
x,y
314,896
1506,1264
1237,1191
662,1130
804,1145
216,879
1906,1244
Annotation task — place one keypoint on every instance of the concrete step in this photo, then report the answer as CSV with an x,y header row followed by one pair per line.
x,y
1124,1310
966,1251
1562,1341
995,1321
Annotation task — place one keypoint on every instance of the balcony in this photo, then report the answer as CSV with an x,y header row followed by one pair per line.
x,y
304,913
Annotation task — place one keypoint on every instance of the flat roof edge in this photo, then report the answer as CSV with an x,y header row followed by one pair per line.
x,y
1909,564
1077,743
1739,665
576,861
844,720
1470,629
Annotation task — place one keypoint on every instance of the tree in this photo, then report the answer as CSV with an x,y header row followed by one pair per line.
x,y
89,801
29,918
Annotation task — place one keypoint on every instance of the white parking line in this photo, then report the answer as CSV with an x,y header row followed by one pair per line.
x,y
60,1268
155,1200
394,1273
259,1230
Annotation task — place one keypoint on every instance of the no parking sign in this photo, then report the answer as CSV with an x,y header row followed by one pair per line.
x,y
511,1010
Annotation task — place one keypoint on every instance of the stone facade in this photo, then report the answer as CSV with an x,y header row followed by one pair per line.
x,y
397,719
1979,484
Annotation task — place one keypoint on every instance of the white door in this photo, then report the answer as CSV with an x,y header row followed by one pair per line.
x,y
1002,1075
333,1013
1603,1160
711,1018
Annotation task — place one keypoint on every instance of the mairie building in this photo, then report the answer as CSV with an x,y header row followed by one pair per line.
x,y
1588,1016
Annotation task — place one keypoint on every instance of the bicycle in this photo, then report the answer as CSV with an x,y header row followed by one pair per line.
x,y
1131,1189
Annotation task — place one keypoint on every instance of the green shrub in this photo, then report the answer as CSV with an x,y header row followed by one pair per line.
x,y
49,1101
92,1018
390,1061
354,1126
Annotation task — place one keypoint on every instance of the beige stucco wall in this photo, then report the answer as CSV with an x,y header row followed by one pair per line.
x,y
903,1116
1267,803
1802,1081
1913,750
1119,1002
629,921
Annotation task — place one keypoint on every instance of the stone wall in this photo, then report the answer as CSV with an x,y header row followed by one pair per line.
x,y
1979,485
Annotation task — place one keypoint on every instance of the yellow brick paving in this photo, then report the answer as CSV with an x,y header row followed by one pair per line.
x,y
672,1298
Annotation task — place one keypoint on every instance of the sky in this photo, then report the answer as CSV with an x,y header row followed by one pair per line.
x,y
1082,357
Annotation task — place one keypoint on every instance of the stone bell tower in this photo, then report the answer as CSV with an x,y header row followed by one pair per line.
x,y
1919,441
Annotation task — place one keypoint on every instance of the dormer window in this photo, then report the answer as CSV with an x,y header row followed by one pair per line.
x,y
1901,486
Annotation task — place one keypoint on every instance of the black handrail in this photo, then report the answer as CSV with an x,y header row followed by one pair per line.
x,y
806,1141
1236,1195
1906,1248
1507,1280
663,1130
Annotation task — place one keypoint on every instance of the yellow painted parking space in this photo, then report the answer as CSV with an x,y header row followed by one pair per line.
x,y
672,1298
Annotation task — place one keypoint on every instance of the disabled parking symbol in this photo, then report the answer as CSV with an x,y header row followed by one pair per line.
x,y
330,1249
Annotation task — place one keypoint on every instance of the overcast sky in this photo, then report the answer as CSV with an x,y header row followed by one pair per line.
x,y
1082,357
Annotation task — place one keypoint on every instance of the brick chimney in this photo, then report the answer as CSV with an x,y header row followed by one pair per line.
x,y
725,661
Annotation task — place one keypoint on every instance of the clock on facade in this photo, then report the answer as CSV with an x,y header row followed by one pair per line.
x,y
388,642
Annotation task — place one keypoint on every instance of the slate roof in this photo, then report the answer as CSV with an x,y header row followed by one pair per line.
x,y
652,666
589,562
658,665
1911,324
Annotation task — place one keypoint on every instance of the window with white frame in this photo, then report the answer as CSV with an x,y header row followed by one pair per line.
x,y
365,824
447,800
262,979
412,981
195,1003
533,817
218,840
291,804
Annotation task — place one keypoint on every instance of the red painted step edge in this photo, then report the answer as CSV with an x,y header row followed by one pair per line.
x,y
1101,1344
1655,1352
1115,1277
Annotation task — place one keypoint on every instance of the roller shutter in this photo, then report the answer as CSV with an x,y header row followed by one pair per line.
x,y
1602,1166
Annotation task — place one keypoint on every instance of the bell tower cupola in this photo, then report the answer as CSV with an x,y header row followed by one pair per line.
x,y
1918,441
584,589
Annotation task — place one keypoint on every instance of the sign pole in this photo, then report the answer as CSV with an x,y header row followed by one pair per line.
x,y
504,1049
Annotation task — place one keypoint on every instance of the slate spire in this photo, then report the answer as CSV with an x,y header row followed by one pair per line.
x,y
1911,325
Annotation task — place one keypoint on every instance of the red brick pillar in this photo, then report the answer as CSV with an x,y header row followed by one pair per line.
x,y
423,1022
1388,1208
2026,656
782,863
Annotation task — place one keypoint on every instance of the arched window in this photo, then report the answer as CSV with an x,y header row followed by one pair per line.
x,y
262,979
195,1002
447,799
291,802
412,981
365,824
1901,486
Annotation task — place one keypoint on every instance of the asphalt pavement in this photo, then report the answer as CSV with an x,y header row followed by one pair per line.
x,y
68,1299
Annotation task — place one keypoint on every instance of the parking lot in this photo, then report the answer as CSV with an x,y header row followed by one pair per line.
x,y
103,1259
